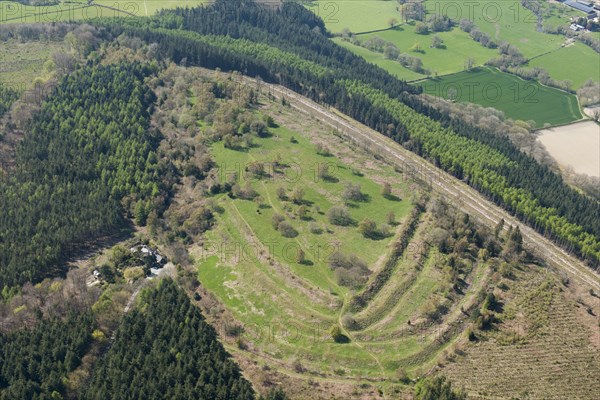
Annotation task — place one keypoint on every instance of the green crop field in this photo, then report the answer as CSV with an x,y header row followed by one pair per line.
x,y
356,15
518,99
12,12
576,62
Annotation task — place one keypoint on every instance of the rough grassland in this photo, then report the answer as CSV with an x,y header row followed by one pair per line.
x,y
21,63
259,288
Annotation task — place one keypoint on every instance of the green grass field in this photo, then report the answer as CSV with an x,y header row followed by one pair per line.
x,y
517,98
502,20
459,47
576,62
393,67
356,15
12,12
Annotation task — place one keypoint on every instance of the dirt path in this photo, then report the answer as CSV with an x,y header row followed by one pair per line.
x,y
353,340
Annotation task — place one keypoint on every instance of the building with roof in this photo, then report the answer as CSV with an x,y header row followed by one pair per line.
x,y
584,6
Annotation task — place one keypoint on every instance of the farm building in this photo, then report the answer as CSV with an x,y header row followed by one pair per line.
x,y
583,6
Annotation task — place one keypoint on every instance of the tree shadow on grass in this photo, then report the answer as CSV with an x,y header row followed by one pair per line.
x,y
342,339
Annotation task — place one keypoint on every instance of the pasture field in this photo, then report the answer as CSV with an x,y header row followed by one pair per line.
x,y
391,66
517,98
459,47
356,15
503,21
576,62
12,12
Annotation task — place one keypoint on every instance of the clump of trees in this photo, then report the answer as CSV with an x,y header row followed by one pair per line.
x,y
349,271
392,52
282,226
369,229
510,56
421,28
438,388
440,23
339,215
377,44
589,93
353,192
437,42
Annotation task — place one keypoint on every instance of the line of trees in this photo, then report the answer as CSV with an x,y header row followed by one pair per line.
x,y
489,171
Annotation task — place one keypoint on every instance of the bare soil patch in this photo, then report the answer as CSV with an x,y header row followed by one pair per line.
x,y
576,145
